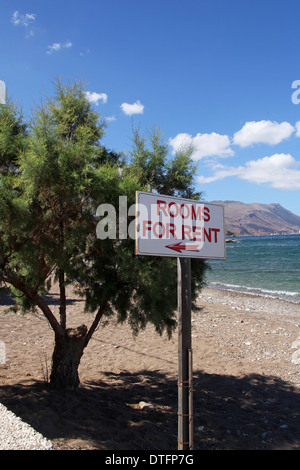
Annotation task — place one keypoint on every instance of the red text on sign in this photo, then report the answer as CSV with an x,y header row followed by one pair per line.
x,y
159,229
184,232
194,212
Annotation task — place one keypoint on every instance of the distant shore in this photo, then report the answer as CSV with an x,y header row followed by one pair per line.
x,y
261,235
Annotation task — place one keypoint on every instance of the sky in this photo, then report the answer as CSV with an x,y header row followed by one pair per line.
x,y
222,75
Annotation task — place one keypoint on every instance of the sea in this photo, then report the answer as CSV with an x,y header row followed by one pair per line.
x,y
264,265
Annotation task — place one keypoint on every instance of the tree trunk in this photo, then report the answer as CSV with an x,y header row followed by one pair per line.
x,y
66,358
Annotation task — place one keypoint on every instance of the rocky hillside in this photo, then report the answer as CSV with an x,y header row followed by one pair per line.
x,y
258,219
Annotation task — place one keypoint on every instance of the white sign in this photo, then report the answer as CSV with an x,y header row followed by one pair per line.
x,y
170,226
2,92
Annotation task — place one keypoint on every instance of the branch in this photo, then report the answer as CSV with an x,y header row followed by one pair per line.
x,y
61,280
37,299
62,297
94,325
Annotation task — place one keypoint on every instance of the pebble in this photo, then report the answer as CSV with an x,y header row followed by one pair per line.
x,y
15,434
296,344
296,357
145,406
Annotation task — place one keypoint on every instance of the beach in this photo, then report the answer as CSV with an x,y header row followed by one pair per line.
x,y
246,377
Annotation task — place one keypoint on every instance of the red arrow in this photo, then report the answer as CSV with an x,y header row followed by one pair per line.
x,y
179,247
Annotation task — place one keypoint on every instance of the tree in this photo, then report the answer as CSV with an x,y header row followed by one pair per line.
x,y
54,175
156,170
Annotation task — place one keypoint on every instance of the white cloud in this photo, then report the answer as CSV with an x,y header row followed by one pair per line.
x,y
25,20
204,145
220,172
86,52
94,97
181,141
265,132
130,109
57,46
280,171
67,44
110,118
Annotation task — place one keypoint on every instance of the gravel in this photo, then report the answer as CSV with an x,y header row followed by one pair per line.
x,y
15,434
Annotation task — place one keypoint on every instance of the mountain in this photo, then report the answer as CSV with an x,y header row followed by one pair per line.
x,y
258,219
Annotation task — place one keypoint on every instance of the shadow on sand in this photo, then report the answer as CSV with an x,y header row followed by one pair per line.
x,y
7,299
252,412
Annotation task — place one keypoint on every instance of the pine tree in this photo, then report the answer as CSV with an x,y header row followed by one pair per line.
x,y
54,174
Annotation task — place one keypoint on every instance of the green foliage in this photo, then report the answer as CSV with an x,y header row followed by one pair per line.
x,y
54,174
12,137
173,176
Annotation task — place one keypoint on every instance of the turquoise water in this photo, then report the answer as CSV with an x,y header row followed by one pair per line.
x,y
268,266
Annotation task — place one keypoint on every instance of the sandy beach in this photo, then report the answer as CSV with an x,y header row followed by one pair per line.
x,y
246,363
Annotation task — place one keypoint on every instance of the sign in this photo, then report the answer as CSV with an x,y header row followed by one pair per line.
x,y
2,92
178,227
185,228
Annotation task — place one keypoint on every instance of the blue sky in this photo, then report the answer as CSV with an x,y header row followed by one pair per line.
x,y
217,74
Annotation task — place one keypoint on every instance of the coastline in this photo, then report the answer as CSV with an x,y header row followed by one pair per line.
x,y
273,305
293,297
246,384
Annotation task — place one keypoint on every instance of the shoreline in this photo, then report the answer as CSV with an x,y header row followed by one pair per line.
x,y
273,308
293,297
232,295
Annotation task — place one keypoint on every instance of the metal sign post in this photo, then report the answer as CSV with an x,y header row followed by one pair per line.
x,y
185,374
